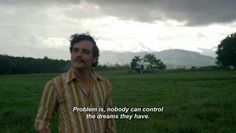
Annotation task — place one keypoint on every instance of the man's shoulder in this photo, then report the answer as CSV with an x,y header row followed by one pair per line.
x,y
56,83
58,78
67,76
100,77
103,80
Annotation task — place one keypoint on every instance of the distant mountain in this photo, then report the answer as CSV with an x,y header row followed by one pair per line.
x,y
182,58
174,58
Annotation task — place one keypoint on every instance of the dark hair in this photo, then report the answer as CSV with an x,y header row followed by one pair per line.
x,y
75,38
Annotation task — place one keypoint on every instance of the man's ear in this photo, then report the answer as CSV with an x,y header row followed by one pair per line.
x,y
95,59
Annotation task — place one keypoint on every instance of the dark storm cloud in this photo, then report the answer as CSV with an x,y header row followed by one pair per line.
x,y
36,2
194,12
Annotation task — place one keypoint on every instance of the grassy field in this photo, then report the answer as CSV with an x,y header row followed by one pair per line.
x,y
194,102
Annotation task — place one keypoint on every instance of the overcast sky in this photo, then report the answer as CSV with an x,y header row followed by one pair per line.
x,y
38,28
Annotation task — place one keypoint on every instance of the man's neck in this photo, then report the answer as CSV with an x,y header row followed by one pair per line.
x,y
82,74
84,78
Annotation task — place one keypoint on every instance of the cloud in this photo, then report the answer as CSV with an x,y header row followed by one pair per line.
x,y
38,27
193,12
208,52
37,2
30,27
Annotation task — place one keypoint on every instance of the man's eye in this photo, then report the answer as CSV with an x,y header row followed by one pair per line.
x,y
75,50
86,51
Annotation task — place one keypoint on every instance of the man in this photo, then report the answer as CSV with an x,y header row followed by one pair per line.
x,y
80,87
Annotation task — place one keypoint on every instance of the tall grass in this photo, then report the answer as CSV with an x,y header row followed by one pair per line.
x,y
194,102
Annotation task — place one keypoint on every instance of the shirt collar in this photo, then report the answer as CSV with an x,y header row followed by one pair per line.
x,y
70,75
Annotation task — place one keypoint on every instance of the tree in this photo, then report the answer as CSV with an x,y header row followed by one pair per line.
x,y
135,64
226,52
160,65
152,63
148,63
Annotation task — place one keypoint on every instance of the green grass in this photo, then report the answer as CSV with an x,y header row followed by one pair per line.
x,y
194,102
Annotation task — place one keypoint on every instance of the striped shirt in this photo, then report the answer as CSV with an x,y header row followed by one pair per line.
x,y
64,93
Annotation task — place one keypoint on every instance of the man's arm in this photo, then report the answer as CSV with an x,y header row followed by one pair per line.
x,y
46,108
44,130
110,126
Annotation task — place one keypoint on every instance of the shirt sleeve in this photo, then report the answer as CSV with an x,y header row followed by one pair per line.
x,y
46,107
110,126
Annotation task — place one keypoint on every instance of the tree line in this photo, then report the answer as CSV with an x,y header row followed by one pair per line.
x,y
20,65
24,65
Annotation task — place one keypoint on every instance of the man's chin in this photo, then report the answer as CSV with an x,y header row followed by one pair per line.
x,y
79,66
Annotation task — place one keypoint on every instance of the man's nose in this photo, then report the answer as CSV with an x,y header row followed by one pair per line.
x,y
79,53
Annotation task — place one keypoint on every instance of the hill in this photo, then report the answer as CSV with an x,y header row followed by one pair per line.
x,y
174,58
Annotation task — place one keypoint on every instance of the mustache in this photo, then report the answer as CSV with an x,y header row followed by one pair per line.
x,y
80,60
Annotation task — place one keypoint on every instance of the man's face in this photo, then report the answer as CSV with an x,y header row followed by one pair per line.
x,y
82,55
